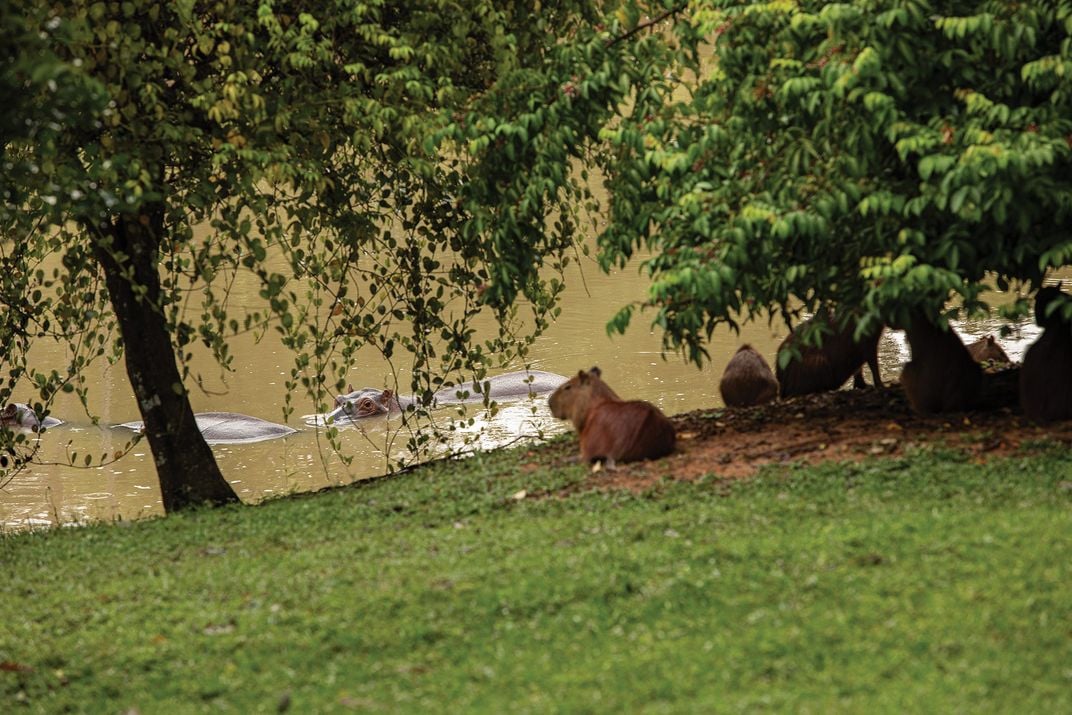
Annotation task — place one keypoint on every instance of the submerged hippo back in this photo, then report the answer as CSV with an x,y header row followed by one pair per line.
x,y
372,402
230,428
234,428
509,385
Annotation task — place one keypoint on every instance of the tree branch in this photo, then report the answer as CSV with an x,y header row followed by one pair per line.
x,y
643,26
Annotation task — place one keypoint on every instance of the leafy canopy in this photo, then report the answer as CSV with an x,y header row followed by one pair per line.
x,y
289,141
878,154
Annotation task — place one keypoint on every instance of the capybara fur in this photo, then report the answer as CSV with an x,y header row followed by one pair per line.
x,y
828,366
1046,374
987,349
747,380
942,376
611,429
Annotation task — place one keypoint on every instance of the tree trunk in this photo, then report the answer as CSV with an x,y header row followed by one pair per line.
x,y
128,249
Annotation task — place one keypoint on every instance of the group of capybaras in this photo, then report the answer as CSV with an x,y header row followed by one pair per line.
x,y
944,375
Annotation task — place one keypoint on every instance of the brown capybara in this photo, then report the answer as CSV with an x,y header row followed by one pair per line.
x,y
942,376
840,357
986,349
1046,374
747,380
611,429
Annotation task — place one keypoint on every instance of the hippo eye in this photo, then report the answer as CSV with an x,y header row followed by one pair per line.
x,y
367,404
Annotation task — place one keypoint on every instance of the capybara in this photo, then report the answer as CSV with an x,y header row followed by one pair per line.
x,y
1046,374
942,376
747,380
611,429
987,349
840,357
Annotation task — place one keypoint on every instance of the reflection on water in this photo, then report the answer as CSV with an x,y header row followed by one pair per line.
x,y
53,492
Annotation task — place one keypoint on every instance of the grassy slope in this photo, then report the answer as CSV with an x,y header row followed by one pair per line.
x,y
924,584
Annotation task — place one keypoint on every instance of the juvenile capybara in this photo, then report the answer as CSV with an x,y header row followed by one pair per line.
x,y
987,349
1046,374
827,367
942,376
611,429
747,380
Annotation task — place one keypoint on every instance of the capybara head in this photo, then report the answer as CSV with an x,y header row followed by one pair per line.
x,y
987,349
573,398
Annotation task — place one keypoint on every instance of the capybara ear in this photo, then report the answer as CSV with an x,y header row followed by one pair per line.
x,y
582,376
596,371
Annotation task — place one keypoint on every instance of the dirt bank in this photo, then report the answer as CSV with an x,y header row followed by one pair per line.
x,y
841,425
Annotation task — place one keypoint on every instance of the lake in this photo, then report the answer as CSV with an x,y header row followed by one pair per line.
x,y
51,491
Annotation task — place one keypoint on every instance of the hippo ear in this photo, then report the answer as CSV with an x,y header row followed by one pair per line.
x,y
9,412
596,371
387,395
350,387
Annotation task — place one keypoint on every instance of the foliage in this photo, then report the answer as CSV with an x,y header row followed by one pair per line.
x,y
878,154
526,142
924,584
285,140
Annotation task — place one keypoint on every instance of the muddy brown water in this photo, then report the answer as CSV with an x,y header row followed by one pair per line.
x,y
53,492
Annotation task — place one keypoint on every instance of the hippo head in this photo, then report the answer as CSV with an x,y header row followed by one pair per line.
x,y
19,416
366,402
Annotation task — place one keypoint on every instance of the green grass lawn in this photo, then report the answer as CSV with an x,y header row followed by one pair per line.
x,y
922,584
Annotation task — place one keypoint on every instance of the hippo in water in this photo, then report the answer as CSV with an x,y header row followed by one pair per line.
x,y
370,402
20,416
230,428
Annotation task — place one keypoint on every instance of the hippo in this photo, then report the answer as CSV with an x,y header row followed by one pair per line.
x,y
370,402
230,428
21,417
